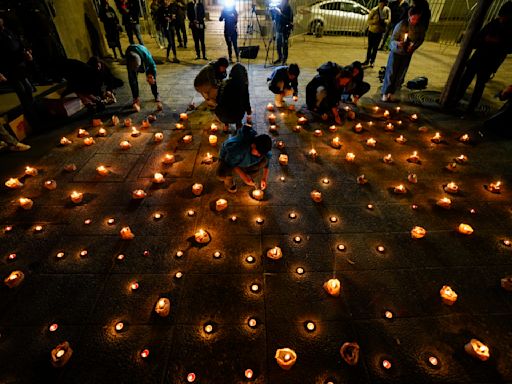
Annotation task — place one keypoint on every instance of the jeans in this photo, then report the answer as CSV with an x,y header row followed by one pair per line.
x,y
396,69
198,35
373,45
134,85
171,44
181,34
474,67
131,29
282,45
232,40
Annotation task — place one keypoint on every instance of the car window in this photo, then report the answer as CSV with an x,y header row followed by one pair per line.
x,y
347,7
332,6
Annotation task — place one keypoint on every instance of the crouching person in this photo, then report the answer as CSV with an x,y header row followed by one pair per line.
x,y
139,59
209,79
245,154
283,82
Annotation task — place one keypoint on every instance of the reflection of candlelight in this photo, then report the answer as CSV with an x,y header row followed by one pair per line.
x,y
448,295
477,349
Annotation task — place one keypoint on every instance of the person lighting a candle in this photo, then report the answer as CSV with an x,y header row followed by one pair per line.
x,y
283,82
139,59
209,79
245,154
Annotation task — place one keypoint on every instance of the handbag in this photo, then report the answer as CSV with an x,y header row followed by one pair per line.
x,y
249,51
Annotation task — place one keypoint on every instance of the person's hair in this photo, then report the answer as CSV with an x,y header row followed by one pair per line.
x,y
222,62
132,58
415,11
263,143
293,69
345,72
357,64
239,74
506,9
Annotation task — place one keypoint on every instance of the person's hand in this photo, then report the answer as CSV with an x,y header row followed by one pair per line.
x,y
263,184
28,55
410,49
351,115
249,119
151,79
2,78
295,98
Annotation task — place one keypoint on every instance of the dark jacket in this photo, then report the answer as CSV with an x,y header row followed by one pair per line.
x,y
284,19
236,151
209,75
326,78
12,63
111,23
281,74
168,16
129,10
233,97
195,14
86,79
230,18
493,44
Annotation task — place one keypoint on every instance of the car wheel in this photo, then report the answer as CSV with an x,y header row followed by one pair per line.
x,y
316,28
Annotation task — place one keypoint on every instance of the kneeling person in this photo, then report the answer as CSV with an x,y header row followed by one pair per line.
x,y
283,82
245,154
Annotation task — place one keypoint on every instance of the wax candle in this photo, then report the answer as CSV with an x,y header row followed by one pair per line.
x,y
61,354
163,307
31,171
125,144
13,183
126,233
350,353
158,178
350,157
201,236
82,133
197,189
418,232
448,295
138,194
283,159
358,128
102,170
258,194
477,349
465,229
401,139
275,253
332,287
285,358
494,187
158,137
168,159
187,139
212,139
371,142
65,141
388,159
444,203
89,141
76,197
451,187
316,196
336,142
436,139
414,158
221,204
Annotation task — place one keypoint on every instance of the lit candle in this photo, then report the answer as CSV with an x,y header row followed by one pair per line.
x,y
275,253
248,373
158,137
401,139
158,178
350,157
134,286
448,295
465,229
389,127
316,196
283,159
96,122
191,377
191,212
506,283
221,204
436,139
76,197
127,122
212,139
168,159
201,236
272,128
179,126
464,138
313,154
111,221
187,139
350,353
451,187
358,128
451,167
126,233
388,315
371,142
61,354
89,141
285,358
332,128
102,132
333,287
336,142
400,189
381,249
102,170
414,117
310,326
30,171
494,187
388,159
296,128
14,279
386,364
386,114
325,180
125,144
163,307
414,158
183,116
418,232
412,178
82,133
214,128
361,180
119,326
208,158
13,183
50,185
405,36
270,107
300,270
208,328
144,353
53,327
272,118
115,120
397,109
444,202
257,194
280,144
461,159
138,194
197,189
302,120
65,141
376,109
477,349
145,124
135,132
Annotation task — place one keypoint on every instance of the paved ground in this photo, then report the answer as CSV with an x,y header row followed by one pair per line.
x,y
86,295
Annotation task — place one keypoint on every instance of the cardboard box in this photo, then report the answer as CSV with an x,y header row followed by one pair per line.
x,y
62,106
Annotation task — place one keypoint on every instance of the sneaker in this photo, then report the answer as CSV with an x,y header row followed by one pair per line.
x,y
371,65
175,60
157,99
19,147
198,58
278,61
384,97
231,188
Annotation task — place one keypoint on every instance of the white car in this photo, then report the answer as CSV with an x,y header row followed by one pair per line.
x,y
333,16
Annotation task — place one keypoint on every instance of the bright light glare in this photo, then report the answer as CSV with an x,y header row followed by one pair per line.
x,y
229,3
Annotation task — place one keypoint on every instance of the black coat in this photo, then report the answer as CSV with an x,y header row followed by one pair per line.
x,y
195,14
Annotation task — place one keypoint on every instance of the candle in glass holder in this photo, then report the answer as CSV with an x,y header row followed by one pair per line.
x,y
332,128
125,144
336,142
401,139
332,287
283,159
302,120
187,139
61,354
399,189
362,180
461,159
350,157
89,141
444,202
465,229
272,118
285,358
221,204
494,187
82,133
30,171
25,203
388,159
358,128
350,353
126,233
201,236
127,122
76,197
371,142
506,283
138,194
270,107
163,307
197,189
168,159
14,279
448,295
436,139
418,232
389,127
13,183
316,196
451,187
451,167
275,253
214,128
212,139
102,170
477,349
179,126
464,138
272,128
183,116
258,194
313,154
158,178
65,141
158,137
412,178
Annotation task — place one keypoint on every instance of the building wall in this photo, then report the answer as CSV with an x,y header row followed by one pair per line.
x,y
79,28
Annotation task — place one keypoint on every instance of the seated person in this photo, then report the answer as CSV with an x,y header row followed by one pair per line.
x,y
209,78
139,59
245,153
9,142
283,82
233,98
323,93
357,87
87,81
499,123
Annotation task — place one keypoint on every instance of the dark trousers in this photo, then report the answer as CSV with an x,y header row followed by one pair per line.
x,y
373,46
198,35
396,69
499,123
225,170
132,29
474,67
390,27
171,44
232,43
134,85
181,34
23,89
282,45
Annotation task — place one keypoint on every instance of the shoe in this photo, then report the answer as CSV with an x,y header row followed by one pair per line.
x,y
231,59
278,61
185,46
205,58
384,98
180,45
371,65
380,49
19,147
175,60
157,99
197,58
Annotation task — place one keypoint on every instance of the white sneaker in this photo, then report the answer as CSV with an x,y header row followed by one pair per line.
x,y
384,97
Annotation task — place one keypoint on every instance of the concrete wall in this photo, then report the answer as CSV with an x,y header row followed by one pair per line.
x,y
79,29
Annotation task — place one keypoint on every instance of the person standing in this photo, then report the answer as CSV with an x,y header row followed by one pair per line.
x,y
195,14
181,30
399,9
139,59
283,18
283,82
492,46
407,37
154,7
230,17
130,13
111,23
13,70
378,20
167,18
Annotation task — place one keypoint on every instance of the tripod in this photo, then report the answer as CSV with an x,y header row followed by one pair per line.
x,y
250,31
